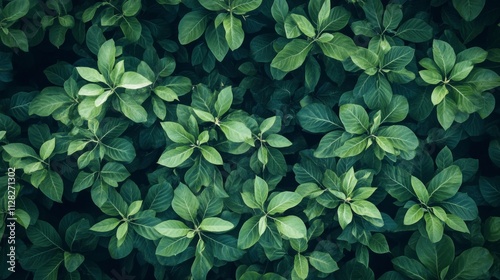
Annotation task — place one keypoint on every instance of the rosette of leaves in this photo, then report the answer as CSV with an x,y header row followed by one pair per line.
x,y
126,219
440,203
11,35
117,13
384,25
107,81
318,26
381,68
437,260
225,33
69,248
200,214
461,89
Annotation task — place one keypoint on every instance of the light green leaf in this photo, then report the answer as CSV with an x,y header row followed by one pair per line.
x,y
378,244
235,131
323,262
168,247
211,155
106,57
174,157
249,233
292,56
434,227
192,26
431,76
304,25
413,215
339,48
401,137
461,70
52,186
445,184
215,224
234,31
455,223
177,133
365,208
419,189
132,110
106,225
291,226
354,118
120,149
344,213
277,141
365,58
241,7
444,56
90,74
392,16
352,147
47,148
172,228
301,266
19,150
282,202
185,203
133,80
224,101
261,190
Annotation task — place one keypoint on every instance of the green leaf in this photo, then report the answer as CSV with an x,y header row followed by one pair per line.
x,y
461,70
318,118
174,157
292,56
494,152
214,224
241,7
339,48
373,10
365,208
419,189
120,149
15,10
492,229
211,155
52,186
159,197
134,207
304,25
445,184
106,225
234,31
133,80
415,30
47,148
132,110
90,74
431,77
106,57
328,144
91,90
168,247
323,262
435,256
216,41
411,268
249,233
260,190
401,137
397,58
472,263
354,118
376,91
224,101
469,9
172,228
444,56
413,215
177,133
392,16
192,26
301,266
50,269
438,94
235,131
213,5
344,213
455,223
19,150
277,141
352,147
434,227
49,100
43,234
446,111
131,7
185,203
468,99
291,226
57,34
15,39
72,261
365,58
282,202
378,244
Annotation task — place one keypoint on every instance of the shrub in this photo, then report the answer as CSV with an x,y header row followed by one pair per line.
x,y
250,139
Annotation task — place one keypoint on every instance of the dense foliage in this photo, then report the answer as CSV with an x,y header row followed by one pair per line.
x,y
251,139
